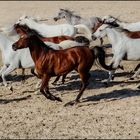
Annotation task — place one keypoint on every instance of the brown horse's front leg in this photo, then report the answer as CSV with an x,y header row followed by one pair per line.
x,y
45,89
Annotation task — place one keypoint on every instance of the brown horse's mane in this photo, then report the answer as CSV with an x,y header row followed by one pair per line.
x,y
39,42
28,30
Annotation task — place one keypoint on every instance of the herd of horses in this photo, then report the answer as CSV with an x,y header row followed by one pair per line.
x,y
56,50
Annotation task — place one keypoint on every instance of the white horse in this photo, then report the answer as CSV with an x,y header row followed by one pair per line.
x,y
11,59
74,19
47,30
91,24
123,47
116,22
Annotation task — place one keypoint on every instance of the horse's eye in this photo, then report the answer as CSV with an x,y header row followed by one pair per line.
x,y
100,30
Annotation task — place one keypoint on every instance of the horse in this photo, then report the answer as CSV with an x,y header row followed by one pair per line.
x,y
50,62
123,47
48,30
62,40
118,23
92,23
13,60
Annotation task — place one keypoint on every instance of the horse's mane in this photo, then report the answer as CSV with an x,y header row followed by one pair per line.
x,y
117,19
40,42
28,30
71,12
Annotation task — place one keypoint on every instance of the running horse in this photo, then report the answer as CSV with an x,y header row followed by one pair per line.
x,y
50,62
64,41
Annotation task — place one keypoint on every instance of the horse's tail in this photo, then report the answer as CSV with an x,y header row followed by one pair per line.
x,y
99,55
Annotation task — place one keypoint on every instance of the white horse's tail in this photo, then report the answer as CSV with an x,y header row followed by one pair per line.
x,y
83,29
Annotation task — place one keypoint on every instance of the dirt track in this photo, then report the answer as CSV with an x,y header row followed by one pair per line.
x,y
104,112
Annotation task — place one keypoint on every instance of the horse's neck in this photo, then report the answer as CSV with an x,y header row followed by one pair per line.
x,y
113,36
122,24
72,19
36,50
33,25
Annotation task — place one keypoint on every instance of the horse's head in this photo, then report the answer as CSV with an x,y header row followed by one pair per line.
x,y
23,42
110,20
23,20
100,32
62,14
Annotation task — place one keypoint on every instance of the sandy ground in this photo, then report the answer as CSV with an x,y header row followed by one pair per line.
x,y
104,112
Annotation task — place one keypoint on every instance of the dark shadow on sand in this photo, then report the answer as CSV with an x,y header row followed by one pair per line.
x,y
6,101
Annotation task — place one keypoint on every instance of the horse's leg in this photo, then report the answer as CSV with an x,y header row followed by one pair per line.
x,y
33,72
55,81
101,40
84,77
135,75
5,73
23,75
115,64
63,78
3,69
45,89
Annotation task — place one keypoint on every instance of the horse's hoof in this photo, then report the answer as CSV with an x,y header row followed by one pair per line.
x,y
106,84
131,78
11,88
58,99
1,84
54,83
138,87
71,103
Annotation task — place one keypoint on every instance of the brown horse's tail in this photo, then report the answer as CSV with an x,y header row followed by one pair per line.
x,y
99,55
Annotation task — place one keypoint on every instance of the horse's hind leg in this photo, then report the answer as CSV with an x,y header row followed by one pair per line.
x,y
45,89
23,75
63,78
84,77
58,77
55,81
33,72
135,75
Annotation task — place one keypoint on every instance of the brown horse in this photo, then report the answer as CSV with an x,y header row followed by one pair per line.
x,y
23,29
49,62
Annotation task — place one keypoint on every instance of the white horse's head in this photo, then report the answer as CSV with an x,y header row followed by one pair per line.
x,y
63,13
24,19
111,20
108,19
100,32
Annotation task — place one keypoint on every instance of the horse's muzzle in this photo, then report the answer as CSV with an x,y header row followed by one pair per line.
x,y
93,37
14,47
